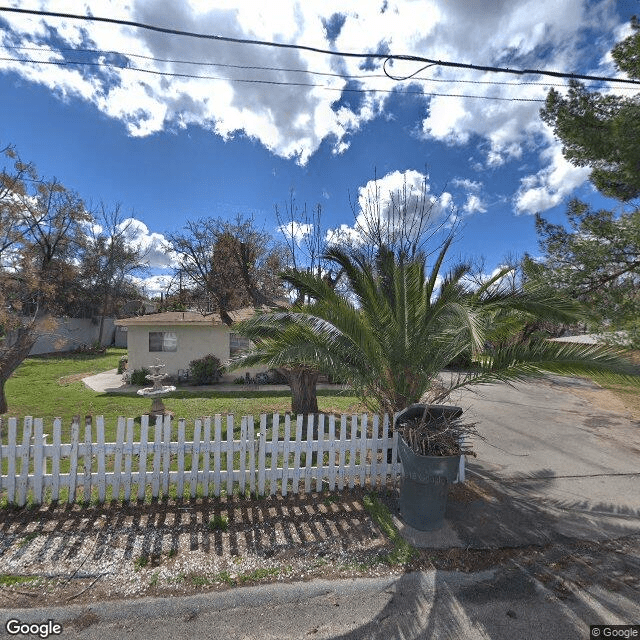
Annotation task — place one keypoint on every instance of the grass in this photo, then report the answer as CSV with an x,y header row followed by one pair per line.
x,y
51,386
8,580
219,523
402,551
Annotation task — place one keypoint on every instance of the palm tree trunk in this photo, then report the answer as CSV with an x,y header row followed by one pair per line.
x,y
303,390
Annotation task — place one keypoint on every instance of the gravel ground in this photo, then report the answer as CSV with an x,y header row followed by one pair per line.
x,y
83,554
61,555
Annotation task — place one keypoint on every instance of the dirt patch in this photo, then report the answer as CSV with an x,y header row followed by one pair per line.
x,y
65,381
624,403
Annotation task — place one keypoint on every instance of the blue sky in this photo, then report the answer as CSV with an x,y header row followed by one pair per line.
x,y
172,149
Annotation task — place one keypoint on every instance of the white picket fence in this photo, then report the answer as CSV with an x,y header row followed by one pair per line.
x,y
347,450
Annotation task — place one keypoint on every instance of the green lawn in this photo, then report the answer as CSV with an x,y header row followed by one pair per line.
x,y
51,386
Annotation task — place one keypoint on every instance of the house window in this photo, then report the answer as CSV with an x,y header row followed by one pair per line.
x,y
163,341
238,344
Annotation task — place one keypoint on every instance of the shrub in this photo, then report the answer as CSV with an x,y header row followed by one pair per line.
x,y
239,380
139,377
205,370
122,364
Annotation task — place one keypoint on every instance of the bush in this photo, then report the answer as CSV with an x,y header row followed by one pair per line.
x,y
205,370
122,364
239,380
139,377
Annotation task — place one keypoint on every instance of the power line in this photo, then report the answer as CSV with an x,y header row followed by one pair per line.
x,y
347,54
63,63
344,76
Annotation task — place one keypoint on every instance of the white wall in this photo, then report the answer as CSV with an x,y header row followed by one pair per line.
x,y
71,333
194,341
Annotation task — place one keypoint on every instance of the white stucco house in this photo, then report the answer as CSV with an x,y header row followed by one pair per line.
x,y
178,337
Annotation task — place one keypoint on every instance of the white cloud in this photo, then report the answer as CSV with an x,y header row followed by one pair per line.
x,y
551,185
156,248
467,185
296,230
474,205
154,285
292,121
395,199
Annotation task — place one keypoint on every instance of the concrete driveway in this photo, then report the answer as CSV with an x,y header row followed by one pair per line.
x,y
563,480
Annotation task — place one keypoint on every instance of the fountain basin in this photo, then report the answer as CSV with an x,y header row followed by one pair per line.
x,y
150,392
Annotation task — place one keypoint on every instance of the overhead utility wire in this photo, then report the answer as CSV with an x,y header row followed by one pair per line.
x,y
63,63
344,76
299,47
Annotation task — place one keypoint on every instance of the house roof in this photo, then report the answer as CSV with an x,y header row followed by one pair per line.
x,y
185,318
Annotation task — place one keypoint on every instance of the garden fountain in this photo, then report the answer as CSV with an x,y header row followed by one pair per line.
x,y
157,390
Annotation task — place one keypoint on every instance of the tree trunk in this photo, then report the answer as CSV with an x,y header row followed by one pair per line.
x,y
11,358
303,390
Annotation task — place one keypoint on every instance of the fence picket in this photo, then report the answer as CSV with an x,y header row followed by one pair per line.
x,y
142,459
11,460
320,461
73,459
24,461
117,460
252,454
342,452
352,450
373,478
262,445
243,454
385,447
128,455
216,455
195,458
55,459
332,452
309,454
363,448
285,454
296,455
229,450
100,452
87,460
256,461
275,429
180,487
38,460
166,453
155,476
206,457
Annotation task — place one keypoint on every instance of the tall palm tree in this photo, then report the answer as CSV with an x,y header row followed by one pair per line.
x,y
398,326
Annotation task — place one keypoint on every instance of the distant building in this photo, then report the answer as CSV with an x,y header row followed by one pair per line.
x,y
178,337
